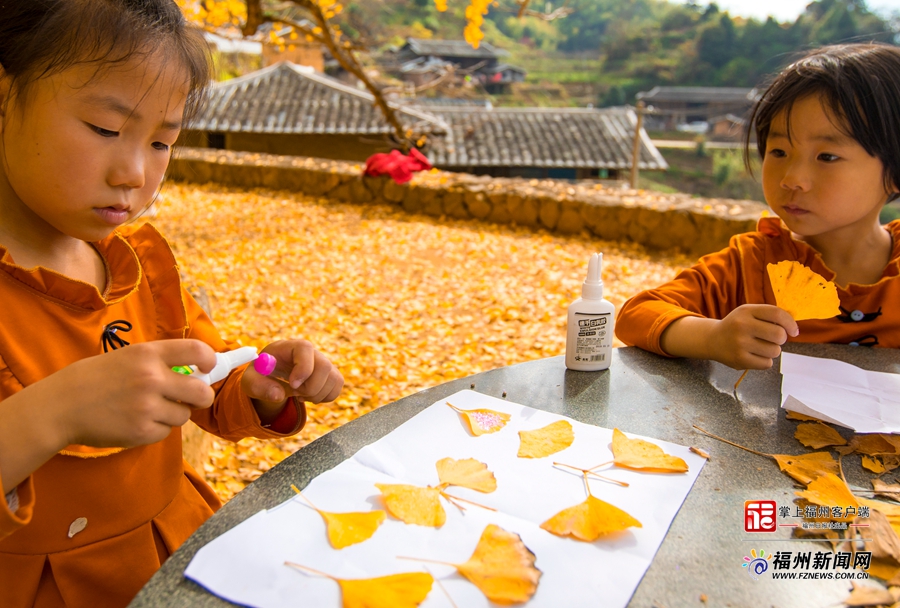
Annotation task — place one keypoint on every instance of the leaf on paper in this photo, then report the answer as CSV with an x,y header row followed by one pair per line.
x,y
792,415
829,490
404,590
483,421
871,463
644,456
550,439
807,467
817,435
468,473
590,520
502,567
802,292
345,529
413,504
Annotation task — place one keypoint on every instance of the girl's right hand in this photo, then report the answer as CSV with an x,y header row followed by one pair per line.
x,y
131,396
751,336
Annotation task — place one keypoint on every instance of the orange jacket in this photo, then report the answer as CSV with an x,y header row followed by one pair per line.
x,y
140,503
737,275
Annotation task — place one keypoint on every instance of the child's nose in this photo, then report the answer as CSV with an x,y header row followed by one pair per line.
x,y
796,177
128,170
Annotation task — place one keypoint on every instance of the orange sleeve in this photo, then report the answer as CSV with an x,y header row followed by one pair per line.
x,y
232,415
712,288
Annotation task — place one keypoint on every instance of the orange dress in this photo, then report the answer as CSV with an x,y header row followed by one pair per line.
x,y
737,275
141,503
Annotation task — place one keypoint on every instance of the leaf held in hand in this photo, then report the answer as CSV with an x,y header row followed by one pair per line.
x,y
807,467
817,435
413,505
467,473
802,292
590,520
502,567
550,439
483,421
644,456
829,490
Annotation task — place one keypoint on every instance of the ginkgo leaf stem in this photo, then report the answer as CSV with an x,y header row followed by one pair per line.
x,y
308,569
591,472
455,409
444,589
602,464
739,380
737,445
430,561
451,498
294,488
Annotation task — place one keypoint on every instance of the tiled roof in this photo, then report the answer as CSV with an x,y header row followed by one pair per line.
x,y
699,95
287,98
540,137
453,48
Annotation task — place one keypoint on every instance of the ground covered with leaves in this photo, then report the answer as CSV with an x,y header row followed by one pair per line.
x,y
398,302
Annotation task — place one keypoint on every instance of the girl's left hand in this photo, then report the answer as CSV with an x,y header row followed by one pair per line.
x,y
300,371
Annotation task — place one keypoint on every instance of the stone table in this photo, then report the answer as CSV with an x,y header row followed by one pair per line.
x,y
641,393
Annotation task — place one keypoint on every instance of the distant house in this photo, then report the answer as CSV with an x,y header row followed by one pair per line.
x,y
421,60
729,127
288,109
673,106
294,110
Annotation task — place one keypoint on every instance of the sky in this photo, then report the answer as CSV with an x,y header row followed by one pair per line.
x,y
787,10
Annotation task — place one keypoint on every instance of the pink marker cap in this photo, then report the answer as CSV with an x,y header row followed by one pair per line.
x,y
264,364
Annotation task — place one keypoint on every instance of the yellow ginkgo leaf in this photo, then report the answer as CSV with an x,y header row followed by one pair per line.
x,y
483,421
590,520
829,490
644,456
802,292
502,567
550,439
404,590
871,463
468,473
807,467
413,504
345,529
817,435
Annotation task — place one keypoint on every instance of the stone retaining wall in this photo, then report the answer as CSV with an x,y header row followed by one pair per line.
x,y
659,221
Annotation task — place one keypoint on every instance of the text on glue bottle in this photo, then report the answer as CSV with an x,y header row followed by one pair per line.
x,y
589,327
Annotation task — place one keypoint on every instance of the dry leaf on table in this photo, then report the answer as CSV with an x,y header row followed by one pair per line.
x,y
644,456
868,596
345,529
467,473
502,567
405,590
482,421
807,467
590,520
545,441
413,504
874,444
830,490
817,435
890,461
792,415
882,488
871,463
802,292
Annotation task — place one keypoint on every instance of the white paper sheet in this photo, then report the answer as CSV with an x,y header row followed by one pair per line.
x,y
834,391
246,564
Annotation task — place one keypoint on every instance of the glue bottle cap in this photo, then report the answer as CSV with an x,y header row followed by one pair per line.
x,y
592,289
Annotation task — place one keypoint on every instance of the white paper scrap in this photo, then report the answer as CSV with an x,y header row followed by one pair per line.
x,y
838,392
246,564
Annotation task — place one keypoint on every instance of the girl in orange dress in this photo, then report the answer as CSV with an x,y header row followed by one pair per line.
x,y
95,493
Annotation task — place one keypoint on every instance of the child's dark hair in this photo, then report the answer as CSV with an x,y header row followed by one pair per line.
x,y
39,38
858,83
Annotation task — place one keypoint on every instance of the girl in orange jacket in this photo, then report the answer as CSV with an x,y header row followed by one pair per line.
x,y
828,133
95,493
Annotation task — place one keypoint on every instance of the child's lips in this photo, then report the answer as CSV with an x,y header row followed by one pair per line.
x,y
115,216
794,210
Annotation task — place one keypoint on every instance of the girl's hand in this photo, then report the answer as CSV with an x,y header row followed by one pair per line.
x,y
131,396
750,337
301,371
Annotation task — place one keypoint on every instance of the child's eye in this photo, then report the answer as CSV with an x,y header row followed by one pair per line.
x,y
828,158
104,132
158,145
776,152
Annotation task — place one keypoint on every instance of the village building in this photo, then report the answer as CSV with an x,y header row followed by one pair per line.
x,y
669,107
294,110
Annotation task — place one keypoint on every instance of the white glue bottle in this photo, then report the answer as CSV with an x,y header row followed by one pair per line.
x,y
589,328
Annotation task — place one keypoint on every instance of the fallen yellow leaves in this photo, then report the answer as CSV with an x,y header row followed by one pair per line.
x,y
802,292
345,529
482,421
406,590
817,435
644,456
829,490
807,467
590,520
547,440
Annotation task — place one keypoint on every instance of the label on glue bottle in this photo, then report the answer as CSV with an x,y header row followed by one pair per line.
x,y
593,340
